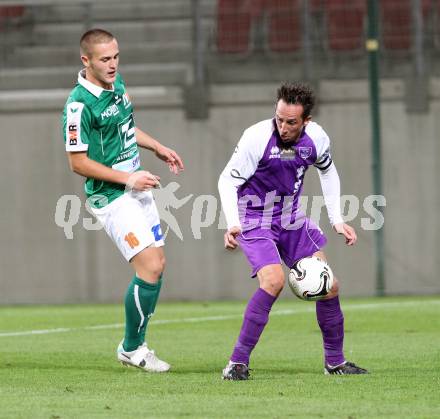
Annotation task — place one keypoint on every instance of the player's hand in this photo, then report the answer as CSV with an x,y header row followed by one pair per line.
x,y
230,238
142,181
170,157
347,231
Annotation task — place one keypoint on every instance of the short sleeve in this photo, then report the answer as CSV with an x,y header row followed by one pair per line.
x,y
77,126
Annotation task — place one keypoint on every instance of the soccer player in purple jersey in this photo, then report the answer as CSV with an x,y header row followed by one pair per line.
x,y
260,189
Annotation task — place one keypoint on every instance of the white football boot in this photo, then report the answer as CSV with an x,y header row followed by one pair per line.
x,y
142,358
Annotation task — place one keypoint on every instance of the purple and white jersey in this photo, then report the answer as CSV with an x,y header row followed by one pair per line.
x,y
267,174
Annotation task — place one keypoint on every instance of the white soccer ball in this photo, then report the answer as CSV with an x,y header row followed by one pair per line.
x,y
310,278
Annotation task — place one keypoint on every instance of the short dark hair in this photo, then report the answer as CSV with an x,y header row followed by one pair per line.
x,y
92,37
297,94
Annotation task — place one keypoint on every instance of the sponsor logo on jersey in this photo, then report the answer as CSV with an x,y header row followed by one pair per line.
x,y
117,99
288,154
126,100
136,162
73,110
305,152
128,164
274,152
73,136
112,110
126,155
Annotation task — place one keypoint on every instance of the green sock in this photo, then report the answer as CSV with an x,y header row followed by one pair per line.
x,y
140,301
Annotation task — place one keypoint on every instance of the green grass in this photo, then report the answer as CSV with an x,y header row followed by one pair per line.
x,y
73,374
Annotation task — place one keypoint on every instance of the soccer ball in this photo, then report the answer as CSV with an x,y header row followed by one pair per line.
x,y
310,278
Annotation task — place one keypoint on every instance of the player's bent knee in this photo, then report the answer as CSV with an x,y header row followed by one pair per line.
x,y
272,281
278,284
149,264
159,263
150,273
156,267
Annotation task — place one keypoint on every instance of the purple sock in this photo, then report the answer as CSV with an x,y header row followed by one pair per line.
x,y
256,317
331,322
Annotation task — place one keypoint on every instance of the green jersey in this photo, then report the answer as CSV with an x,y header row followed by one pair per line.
x,y
101,122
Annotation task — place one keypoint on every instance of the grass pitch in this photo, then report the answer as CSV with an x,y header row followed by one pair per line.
x,y
66,367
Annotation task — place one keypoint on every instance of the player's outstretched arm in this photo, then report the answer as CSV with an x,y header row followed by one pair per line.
x,y
347,231
166,154
81,164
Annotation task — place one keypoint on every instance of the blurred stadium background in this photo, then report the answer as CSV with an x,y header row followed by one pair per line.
x,y
199,72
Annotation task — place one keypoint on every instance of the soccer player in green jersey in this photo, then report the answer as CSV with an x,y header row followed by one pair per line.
x,y
102,143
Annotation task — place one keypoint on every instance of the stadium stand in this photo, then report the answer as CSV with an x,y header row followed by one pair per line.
x,y
244,40
284,25
397,24
279,19
436,24
345,24
155,38
234,19
10,12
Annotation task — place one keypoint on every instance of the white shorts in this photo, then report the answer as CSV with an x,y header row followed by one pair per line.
x,y
132,221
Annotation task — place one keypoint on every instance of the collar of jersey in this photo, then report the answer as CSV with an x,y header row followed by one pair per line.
x,y
91,87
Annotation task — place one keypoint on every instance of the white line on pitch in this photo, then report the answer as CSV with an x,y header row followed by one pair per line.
x,y
285,312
